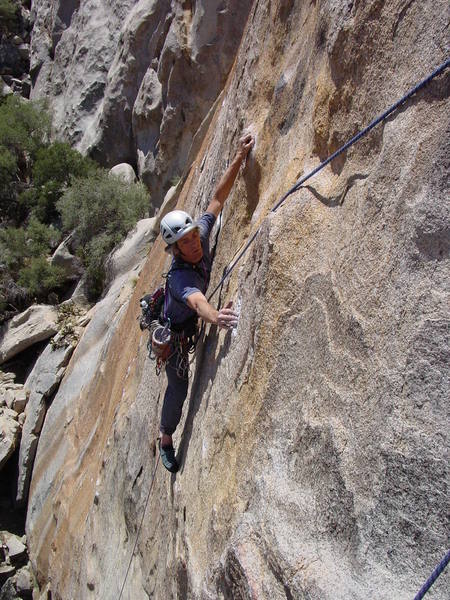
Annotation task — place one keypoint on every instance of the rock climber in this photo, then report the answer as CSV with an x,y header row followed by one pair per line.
x,y
188,242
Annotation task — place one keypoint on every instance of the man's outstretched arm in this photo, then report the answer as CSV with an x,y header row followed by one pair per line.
x,y
225,317
226,183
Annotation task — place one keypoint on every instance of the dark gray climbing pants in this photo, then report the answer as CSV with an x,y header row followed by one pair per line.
x,y
176,392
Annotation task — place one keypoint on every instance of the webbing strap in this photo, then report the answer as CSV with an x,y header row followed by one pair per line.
x,y
343,148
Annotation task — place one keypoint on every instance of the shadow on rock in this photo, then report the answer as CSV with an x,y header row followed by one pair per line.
x,y
205,373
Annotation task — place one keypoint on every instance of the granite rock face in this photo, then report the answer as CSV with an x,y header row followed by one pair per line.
x,y
9,433
132,81
313,440
42,382
15,50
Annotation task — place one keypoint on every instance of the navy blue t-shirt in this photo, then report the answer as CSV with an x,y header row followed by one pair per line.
x,y
184,278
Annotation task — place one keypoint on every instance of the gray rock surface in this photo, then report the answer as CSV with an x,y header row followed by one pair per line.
x,y
15,550
133,249
40,385
14,49
117,79
5,90
36,324
8,590
313,442
20,400
9,434
12,394
62,257
24,582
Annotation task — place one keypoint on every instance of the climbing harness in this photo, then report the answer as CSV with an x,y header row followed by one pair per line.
x,y
140,527
166,339
432,578
338,152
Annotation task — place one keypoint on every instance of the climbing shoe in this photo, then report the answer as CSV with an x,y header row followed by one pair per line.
x,y
168,459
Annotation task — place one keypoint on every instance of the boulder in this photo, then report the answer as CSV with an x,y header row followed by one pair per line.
x,y
8,590
24,582
62,257
44,378
5,90
13,396
9,434
24,51
19,401
34,325
40,385
125,172
7,397
7,377
15,549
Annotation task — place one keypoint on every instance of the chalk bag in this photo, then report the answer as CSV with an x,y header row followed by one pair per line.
x,y
161,343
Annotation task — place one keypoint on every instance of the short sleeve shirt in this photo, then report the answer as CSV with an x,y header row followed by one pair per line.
x,y
184,278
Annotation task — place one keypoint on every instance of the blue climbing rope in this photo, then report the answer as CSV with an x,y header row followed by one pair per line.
x,y
432,578
298,184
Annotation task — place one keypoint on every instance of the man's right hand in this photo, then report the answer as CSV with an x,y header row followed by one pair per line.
x,y
245,145
227,318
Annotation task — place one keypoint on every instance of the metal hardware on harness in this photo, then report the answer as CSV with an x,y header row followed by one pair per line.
x,y
163,343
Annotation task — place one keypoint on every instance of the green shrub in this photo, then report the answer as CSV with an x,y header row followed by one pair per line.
x,y
8,12
94,258
24,128
102,209
40,277
53,169
41,238
18,244
24,125
8,169
102,204
8,166
13,248
59,163
13,298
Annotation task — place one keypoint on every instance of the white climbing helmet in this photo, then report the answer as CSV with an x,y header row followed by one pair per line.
x,y
175,225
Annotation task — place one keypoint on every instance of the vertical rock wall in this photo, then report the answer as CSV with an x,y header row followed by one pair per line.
x,y
132,81
313,440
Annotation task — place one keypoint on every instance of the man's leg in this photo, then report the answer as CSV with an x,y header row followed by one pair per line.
x,y
174,398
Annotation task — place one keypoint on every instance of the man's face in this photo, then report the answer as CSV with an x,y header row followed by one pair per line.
x,y
190,247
